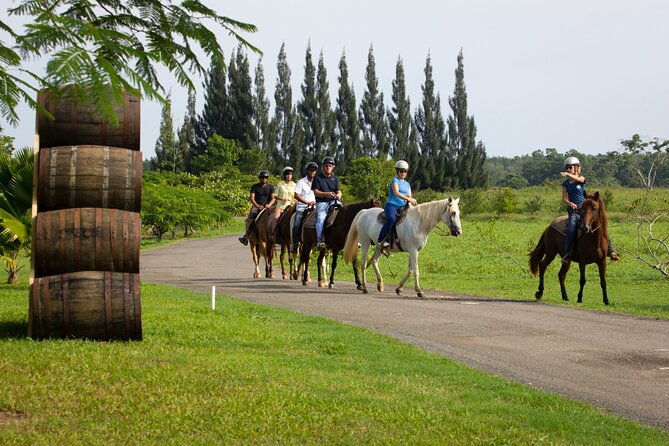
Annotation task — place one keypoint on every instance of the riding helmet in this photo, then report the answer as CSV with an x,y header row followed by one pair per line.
x,y
401,164
572,161
286,169
263,174
311,165
328,160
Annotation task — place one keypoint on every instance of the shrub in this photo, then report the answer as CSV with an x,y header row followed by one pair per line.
x,y
505,202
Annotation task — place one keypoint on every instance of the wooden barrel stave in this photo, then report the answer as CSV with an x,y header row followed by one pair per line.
x,y
89,176
100,305
81,239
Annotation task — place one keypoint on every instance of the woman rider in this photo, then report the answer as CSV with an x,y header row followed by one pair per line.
x,y
399,195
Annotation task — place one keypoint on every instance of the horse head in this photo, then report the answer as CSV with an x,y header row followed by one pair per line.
x,y
591,209
451,217
376,202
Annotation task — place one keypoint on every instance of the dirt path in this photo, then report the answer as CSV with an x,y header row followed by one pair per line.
x,y
619,363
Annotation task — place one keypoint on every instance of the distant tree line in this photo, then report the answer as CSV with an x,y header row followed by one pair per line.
x,y
236,125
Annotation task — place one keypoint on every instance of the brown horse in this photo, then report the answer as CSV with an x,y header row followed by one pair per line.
x,y
335,238
590,247
260,245
282,237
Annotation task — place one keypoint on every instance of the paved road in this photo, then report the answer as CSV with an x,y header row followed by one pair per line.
x,y
619,363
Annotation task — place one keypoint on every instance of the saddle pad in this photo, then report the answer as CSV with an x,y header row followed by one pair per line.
x,y
310,220
401,215
560,225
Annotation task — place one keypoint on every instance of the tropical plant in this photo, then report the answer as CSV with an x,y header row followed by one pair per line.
x,y
16,181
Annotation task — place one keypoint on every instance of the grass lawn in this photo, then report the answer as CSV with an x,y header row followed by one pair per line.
x,y
252,374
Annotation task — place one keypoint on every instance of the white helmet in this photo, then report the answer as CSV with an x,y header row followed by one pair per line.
x,y
572,161
401,164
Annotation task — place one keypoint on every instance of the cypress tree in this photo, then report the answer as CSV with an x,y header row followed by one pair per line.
x,y
325,141
432,136
347,121
308,107
372,114
399,117
283,112
212,119
167,153
470,155
186,133
240,104
261,106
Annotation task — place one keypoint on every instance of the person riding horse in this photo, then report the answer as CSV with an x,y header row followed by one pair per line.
x,y
327,192
262,197
399,194
285,197
305,199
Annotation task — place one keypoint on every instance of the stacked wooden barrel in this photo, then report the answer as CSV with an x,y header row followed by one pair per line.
x,y
86,224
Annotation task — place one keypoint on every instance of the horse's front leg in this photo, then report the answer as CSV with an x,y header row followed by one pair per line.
x,y
562,275
602,280
581,269
356,273
398,290
269,257
304,263
363,269
322,274
255,252
413,264
375,264
334,266
282,259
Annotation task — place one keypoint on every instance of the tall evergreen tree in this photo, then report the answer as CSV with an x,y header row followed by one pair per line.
x,y
399,117
167,151
261,111
283,112
308,107
347,121
432,136
412,156
325,141
186,133
240,101
212,119
470,155
372,114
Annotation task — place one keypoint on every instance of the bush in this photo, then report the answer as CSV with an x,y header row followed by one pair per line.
x,y
505,202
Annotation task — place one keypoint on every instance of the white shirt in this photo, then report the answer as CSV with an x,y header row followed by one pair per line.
x,y
303,188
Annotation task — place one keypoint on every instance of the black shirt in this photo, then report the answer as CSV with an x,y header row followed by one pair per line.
x,y
262,194
325,184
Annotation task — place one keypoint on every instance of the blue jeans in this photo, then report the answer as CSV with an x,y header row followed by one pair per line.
x,y
322,212
391,216
572,227
295,236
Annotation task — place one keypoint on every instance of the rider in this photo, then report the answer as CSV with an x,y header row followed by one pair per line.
x,y
327,192
285,195
305,198
262,197
399,194
573,194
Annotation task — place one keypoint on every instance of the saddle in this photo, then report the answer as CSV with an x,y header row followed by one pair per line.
x,y
309,220
560,225
393,239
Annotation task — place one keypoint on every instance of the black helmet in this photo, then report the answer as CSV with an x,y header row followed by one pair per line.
x,y
263,174
328,160
311,165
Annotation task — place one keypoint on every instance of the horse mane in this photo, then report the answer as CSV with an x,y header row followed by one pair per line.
x,y
358,205
430,213
603,219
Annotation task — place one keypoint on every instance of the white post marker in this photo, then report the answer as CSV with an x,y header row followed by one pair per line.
x,y
213,297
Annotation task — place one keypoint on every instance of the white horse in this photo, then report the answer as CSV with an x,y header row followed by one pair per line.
x,y
412,233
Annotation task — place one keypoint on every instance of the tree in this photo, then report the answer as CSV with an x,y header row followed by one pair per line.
x,y
212,120
370,177
264,139
186,137
347,121
283,112
470,155
435,169
307,108
16,182
108,45
221,154
645,158
167,150
325,119
372,114
240,101
399,116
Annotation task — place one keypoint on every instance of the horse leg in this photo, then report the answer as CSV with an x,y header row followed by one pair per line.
x,y
334,266
304,263
282,258
581,268
548,258
358,283
602,280
562,275
256,259
363,270
375,264
321,268
398,290
269,257
413,259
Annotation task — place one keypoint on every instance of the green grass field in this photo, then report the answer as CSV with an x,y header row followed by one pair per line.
x,y
248,374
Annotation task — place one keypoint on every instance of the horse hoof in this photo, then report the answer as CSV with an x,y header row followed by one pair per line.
x,y
284,277
331,286
256,275
420,295
304,282
538,295
606,301
398,291
380,288
364,291
359,287
321,284
565,298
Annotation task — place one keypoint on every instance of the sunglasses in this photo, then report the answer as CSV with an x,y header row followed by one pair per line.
x,y
263,177
402,171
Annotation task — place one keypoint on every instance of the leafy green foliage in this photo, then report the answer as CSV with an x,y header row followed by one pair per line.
x,y
220,154
369,177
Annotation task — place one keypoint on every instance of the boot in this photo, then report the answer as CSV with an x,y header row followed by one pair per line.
x,y
244,239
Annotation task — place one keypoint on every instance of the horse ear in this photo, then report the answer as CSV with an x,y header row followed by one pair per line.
x,y
450,199
596,196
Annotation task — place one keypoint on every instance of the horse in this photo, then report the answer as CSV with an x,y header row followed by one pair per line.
x,y
590,247
412,234
335,237
282,237
260,244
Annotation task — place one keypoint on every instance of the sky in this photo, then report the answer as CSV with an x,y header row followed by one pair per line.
x,y
574,74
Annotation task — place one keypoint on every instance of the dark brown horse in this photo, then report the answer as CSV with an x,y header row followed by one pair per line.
x,y
590,247
260,245
335,238
282,237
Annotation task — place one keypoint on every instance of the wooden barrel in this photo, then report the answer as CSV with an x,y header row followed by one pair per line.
x,y
76,123
101,305
82,239
89,176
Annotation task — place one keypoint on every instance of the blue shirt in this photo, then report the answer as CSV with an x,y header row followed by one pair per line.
x,y
404,188
575,191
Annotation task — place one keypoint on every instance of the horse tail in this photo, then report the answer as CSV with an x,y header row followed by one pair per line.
x,y
351,246
538,254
